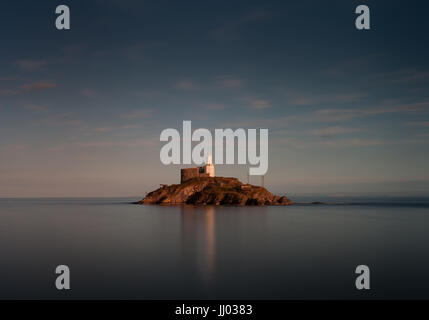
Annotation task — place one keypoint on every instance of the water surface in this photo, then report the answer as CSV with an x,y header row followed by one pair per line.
x,y
118,250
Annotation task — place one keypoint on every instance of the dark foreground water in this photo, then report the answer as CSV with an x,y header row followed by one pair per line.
x,y
118,250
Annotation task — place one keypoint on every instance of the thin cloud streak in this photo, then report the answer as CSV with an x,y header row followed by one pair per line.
x,y
31,64
229,82
35,86
186,85
332,131
329,116
138,114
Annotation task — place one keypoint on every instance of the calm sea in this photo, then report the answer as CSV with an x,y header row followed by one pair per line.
x,y
118,250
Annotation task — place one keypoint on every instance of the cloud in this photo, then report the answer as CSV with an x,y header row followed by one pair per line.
x,y
10,148
270,123
408,75
12,78
332,131
61,119
138,114
120,144
30,64
336,115
314,143
92,94
222,82
37,108
259,103
326,180
401,76
418,124
231,30
358,142
328,115
36,86
110,129
229,82
353,142
185,85
305,98
347,97
214,106
9,92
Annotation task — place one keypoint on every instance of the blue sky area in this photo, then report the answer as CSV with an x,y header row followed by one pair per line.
x,y
81,110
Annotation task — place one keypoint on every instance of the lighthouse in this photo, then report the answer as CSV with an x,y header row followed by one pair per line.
x,y
205,171
209,167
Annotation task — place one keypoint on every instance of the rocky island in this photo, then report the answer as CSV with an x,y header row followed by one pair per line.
x,y
207,190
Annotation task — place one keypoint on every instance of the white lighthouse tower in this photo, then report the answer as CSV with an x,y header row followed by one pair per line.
x,y
209,167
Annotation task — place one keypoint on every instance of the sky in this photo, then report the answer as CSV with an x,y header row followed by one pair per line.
x,y
81,110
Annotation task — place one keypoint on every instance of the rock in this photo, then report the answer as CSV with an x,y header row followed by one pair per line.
x,y
214,191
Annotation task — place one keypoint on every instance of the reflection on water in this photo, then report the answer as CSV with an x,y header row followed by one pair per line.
x,y
118,250
198,239
210,241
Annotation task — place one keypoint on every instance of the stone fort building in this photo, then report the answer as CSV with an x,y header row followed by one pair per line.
x,y
204,171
